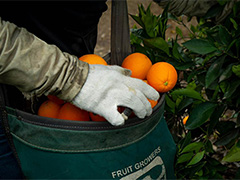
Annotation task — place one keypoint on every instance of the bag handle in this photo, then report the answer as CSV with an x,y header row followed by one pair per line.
x,y
120,35
120,38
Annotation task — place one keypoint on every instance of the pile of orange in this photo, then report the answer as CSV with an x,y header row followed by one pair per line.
x,y
162,76
57,108
54,107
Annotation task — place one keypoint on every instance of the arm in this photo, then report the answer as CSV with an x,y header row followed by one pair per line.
x,y
196,7
188,7
37,68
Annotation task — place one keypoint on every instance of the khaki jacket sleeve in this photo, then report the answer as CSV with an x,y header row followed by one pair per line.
x,y
37,68
196,7
188,7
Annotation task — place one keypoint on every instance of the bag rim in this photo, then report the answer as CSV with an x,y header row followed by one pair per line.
x,y
79,125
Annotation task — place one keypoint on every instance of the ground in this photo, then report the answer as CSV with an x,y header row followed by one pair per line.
x,y
104,27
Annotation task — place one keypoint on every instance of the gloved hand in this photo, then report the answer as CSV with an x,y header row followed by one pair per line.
x,y
108,87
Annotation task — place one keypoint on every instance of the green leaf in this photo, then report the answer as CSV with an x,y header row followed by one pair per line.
x,y
176,53
141,10
224,85
232,87
214,119
200,46
222,2
150,25
185,65
163,22
200,115
138,20
227,73
227,138
185,157
179,32
195,146
185,103
215,94
158,43
188,93
193,28
209,146
184,142
140,33
231,44
235,25
236,70
195,168
192,85
197,158
170,104
214,71
224,35
233,155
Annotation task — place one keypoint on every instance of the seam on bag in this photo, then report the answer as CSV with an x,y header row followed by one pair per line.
x,y
87,150
66,127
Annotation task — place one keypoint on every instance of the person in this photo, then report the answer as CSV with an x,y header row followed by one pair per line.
x,y
37,68
40,43
39,49
199,8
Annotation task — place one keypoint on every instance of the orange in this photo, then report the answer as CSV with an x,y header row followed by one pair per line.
x,y
49,109
185,120
70,112
55,99
95,117
93,59
162,76
138,63
152,102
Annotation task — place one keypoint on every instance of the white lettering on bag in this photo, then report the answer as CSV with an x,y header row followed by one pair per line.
x,y
140,169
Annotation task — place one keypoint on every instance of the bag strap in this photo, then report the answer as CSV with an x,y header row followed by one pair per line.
x,y
120,35
120,38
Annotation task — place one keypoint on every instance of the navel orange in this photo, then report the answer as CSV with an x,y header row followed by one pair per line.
x,y
93,59
138,63
162,76
70,112
49,109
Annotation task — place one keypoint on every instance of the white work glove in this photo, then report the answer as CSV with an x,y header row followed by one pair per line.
x,y
108,87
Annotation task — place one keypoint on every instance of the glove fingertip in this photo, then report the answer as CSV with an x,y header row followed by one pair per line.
x,y
115,118
156,96
122,70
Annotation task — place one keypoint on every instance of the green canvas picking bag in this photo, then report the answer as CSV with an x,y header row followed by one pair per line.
x,y
49,148
60,149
